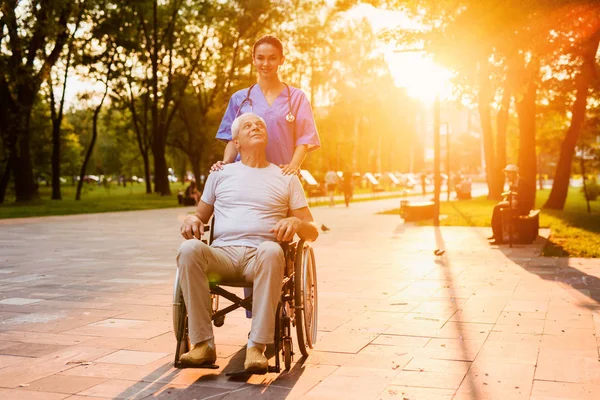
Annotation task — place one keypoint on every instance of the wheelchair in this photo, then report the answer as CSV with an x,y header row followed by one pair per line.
x,y
298,306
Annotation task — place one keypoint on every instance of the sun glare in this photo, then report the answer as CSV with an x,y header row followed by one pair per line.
x,y
422,78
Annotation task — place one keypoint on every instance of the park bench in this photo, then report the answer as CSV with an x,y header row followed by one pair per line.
x,y
375,186
524,227
185,201
416,211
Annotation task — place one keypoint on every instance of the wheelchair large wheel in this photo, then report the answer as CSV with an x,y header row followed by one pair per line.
x,y
305,299
180,326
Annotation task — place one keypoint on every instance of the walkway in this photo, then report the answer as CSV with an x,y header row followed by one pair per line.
x,y
85,313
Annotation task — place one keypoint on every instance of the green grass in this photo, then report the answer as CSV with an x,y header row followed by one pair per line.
x,y
94,199
98,199
574,232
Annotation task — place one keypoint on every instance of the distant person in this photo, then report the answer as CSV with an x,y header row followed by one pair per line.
x,y
192,192
424,183
347,187
331,181
520,205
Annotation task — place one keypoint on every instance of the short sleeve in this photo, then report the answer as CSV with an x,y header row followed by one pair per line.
x,y
297,197
209,193
224,132
306,129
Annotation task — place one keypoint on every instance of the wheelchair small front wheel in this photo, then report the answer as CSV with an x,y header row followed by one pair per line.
x,y
219,321
287,353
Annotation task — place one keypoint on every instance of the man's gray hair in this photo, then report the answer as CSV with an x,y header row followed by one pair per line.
x,y
235,126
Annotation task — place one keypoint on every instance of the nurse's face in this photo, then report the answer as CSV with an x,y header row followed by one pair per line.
x,y
267,59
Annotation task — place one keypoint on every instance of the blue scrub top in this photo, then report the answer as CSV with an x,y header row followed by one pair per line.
x,y
281,144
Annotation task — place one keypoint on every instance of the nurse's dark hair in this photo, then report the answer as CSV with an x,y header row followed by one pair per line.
x,y
268,39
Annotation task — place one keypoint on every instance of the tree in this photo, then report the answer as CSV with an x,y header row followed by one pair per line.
x,y
57,113
36,36
106,60
584,79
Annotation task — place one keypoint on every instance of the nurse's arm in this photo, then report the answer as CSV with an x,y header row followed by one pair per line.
x,y
230,152
297,159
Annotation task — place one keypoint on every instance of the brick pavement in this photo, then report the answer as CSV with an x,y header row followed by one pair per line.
x,y
85,313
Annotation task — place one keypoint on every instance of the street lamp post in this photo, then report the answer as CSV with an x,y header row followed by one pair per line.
x,y
447,159
436,161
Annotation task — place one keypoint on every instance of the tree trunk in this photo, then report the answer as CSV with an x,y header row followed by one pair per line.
x,y
502,123
93,140
5,178
526,109
483,102
56,195
560,186
25,186
196,170
147,172
161,173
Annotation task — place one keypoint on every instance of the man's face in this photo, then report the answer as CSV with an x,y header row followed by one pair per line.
x,y
511,176
252,133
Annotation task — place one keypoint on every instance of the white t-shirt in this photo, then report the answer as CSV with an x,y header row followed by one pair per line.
x,y
248,202
331,178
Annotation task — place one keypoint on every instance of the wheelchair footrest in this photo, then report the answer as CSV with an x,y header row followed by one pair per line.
x,y
244,373
181,365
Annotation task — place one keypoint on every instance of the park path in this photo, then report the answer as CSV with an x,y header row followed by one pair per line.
x,y
85,313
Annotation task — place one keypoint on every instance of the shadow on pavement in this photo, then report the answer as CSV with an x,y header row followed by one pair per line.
x,y
212,385
555,269
444,264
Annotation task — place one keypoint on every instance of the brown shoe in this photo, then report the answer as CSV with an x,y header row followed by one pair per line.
x,y
255,360
200,354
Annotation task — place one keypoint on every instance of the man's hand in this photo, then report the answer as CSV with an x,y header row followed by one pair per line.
x,y
217,166
192,227
286,228
289,169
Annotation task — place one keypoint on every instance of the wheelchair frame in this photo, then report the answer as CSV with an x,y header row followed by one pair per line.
x,y
297,307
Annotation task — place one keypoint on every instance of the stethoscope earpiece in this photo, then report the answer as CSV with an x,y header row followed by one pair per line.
x,y
289,117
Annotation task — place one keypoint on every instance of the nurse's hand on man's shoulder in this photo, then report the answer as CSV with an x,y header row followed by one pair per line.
x,y
289,169
217,166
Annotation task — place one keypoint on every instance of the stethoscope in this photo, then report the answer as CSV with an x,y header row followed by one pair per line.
x,y
289,117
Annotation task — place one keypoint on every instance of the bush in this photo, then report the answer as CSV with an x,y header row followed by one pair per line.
x,y
593,190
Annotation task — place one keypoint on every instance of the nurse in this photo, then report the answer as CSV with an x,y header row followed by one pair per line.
x,y
286,110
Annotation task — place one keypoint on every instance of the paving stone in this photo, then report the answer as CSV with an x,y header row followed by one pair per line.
x,y
545,390
415,393
19,302
31,349
121,389
129,357
575,366
6,394
64,384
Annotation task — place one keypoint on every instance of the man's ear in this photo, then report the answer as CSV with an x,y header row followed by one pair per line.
x,y
237,144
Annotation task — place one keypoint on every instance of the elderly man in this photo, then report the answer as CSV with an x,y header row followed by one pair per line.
x,y
519,203
255,207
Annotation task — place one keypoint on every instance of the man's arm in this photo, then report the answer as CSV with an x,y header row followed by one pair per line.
x,y
300,222
193,225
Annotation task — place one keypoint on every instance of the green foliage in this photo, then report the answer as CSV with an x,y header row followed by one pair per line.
x,y
94,199
592,190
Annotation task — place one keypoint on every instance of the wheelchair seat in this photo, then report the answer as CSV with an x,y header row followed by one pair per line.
x,y
297,307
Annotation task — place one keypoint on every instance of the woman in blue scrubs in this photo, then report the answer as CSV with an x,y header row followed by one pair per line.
x,y
286,110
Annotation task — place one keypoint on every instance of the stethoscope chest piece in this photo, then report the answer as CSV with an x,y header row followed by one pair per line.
x,y
290,117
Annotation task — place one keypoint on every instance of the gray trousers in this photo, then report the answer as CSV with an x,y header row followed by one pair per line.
x,y
264,266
